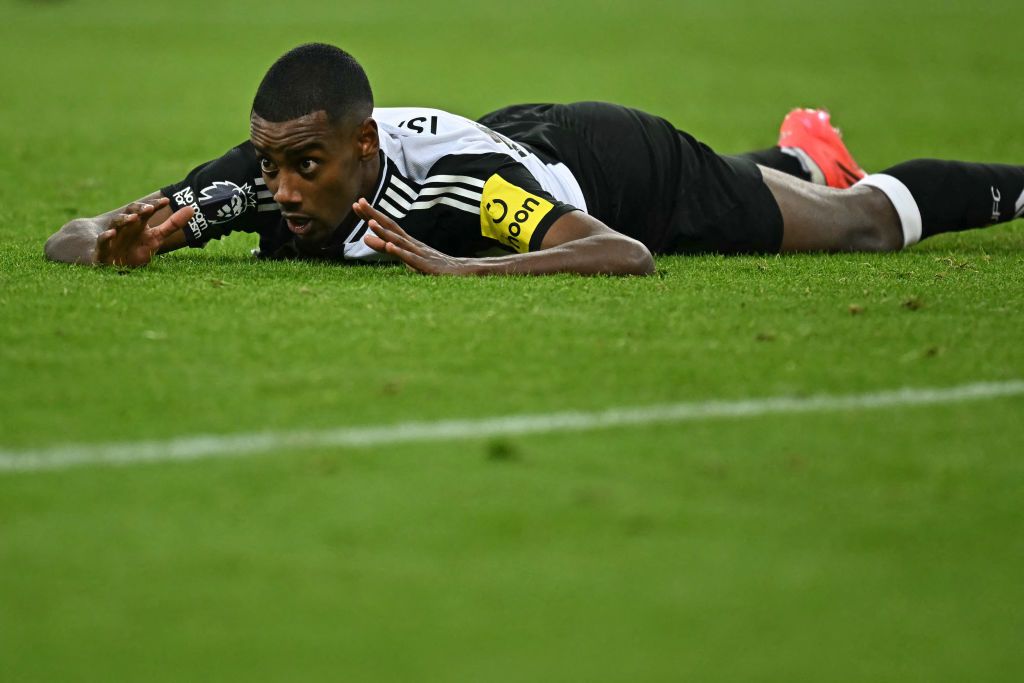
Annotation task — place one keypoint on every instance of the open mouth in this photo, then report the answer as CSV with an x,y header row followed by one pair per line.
x,y
300,225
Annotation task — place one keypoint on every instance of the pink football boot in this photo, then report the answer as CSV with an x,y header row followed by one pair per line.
x,y
808,135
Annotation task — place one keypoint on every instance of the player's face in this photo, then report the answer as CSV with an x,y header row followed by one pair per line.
x,y
316,170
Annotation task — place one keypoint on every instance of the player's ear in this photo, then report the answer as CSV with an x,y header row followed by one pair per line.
x,y
366,138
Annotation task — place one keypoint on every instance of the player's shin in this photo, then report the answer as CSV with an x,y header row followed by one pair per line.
x,y
933,196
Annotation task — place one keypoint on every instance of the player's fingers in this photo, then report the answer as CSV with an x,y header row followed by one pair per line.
x,y
140,208
381,231
413,261
381,218
123,219
393,236
374,242
104,242
393,233
390,224
367,212
145,209
178,220
133,225
363,209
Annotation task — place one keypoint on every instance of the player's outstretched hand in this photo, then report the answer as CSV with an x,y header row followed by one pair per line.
x,y
130,241
387,237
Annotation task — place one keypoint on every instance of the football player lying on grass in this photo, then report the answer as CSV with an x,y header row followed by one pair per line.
x,y
579,188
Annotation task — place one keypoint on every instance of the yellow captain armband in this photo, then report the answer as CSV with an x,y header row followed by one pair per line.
x,y
510,214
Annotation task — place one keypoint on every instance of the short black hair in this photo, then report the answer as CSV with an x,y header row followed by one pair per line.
x,y
311,78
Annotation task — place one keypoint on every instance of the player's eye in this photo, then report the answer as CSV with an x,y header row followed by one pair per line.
x,y
267,166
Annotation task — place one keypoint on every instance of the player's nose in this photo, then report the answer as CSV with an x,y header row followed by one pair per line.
x,y
287,192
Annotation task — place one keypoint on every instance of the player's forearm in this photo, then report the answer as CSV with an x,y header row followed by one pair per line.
x,y
599,254
75,242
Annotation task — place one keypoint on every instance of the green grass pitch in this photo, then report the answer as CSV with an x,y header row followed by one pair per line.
x,y
874,545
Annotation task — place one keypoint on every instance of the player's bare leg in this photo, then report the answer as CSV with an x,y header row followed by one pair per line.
x,y
818,218
897,207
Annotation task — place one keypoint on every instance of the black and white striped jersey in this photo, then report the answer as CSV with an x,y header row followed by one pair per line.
x,y
448,181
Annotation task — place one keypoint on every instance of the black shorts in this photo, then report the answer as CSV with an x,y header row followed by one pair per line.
x,y
642,177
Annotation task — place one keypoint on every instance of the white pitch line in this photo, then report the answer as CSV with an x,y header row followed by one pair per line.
x,y
213,446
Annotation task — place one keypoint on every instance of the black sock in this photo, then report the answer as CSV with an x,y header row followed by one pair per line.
x,y
779,160
954,195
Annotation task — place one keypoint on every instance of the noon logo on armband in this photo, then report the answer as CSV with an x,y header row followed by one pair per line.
x,y
510,214
185,197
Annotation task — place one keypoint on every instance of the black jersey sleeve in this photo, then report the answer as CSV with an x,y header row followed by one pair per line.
x,y
470,204
227,194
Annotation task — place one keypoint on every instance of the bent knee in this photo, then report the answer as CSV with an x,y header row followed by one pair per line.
x,y
871,224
